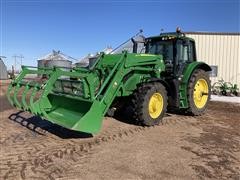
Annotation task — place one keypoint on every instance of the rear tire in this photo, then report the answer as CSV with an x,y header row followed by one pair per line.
x,y
199,90
149,103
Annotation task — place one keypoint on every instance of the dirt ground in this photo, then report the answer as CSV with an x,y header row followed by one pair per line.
x,y
181,147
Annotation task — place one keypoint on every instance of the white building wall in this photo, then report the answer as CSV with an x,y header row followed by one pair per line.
x,y
222,50
3,70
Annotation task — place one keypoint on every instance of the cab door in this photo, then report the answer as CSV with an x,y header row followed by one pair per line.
x,y
185,54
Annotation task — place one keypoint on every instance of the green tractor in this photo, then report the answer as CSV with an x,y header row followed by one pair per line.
x,y
167,75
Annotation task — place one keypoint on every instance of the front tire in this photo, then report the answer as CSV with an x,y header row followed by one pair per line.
x,y
199,90
150,103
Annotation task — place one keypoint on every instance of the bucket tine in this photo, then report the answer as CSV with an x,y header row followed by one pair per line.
x,y
16,90
26,90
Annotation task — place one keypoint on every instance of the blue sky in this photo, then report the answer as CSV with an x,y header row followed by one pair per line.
x,y
33,28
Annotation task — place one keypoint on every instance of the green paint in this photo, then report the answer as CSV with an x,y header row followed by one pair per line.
x,y
185,79
81,101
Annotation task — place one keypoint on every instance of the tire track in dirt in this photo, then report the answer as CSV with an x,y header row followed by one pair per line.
x,y
54,160
40,154
107,137
75,153
43,160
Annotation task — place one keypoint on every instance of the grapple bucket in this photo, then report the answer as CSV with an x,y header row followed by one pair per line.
x,y
75,114
23,90
62,97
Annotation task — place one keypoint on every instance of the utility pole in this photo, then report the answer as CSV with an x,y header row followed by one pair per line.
x,y
21,58
16,62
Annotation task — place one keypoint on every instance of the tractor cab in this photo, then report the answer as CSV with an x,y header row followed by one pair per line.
x,y
177,51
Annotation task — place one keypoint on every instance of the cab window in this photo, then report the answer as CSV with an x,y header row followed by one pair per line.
x,y
185,51
165,48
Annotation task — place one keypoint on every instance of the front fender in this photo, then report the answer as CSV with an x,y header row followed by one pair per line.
x,y
185,79
191,67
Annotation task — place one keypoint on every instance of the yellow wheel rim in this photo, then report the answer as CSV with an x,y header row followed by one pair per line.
x,y
200,94
155,105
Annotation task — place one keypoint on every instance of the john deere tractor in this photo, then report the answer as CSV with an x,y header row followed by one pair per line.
x,y
166,75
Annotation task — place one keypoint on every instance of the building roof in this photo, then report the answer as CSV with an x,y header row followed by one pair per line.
x,y
54,55
57,55
213,33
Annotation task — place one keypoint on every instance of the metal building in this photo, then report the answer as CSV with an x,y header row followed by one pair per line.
x,y
55,58
90,59
3,70
221,51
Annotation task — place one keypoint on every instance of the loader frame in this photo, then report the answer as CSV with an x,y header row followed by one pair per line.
x,y
126,72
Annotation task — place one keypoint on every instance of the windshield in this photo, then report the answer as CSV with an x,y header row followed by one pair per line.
x,y
165,48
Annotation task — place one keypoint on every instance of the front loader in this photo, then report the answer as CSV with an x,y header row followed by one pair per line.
x,y
167,75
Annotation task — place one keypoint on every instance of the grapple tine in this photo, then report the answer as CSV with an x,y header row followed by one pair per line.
x,y
16,90
10,87
26,90
43,112
34,91
15,86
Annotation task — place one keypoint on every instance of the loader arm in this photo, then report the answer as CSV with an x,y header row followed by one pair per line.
x,y
111,86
